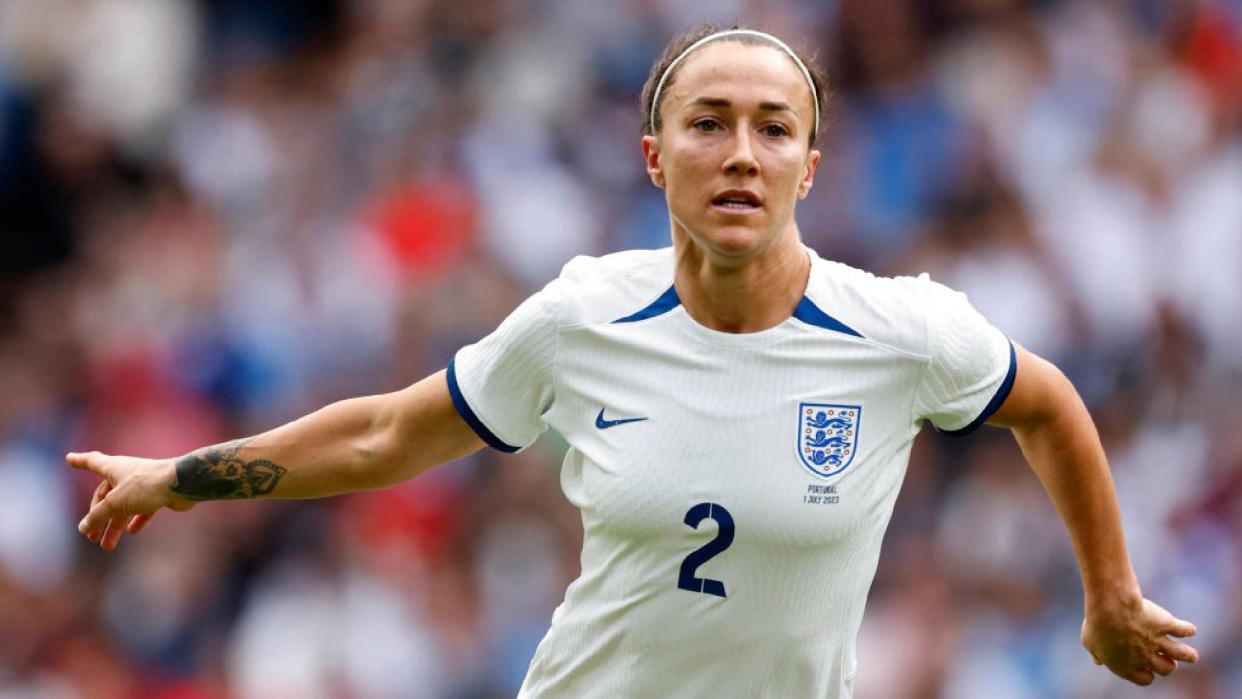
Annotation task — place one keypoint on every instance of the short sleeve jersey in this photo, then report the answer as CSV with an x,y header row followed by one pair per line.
x,y
734,488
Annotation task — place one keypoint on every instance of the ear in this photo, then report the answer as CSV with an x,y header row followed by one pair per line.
x,y
651,154
808,175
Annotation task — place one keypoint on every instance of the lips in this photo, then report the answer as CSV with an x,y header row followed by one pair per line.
x,y
739,200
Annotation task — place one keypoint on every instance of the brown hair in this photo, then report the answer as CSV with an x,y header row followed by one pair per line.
x,y
678,44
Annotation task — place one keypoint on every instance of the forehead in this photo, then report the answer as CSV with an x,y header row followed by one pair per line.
x,y
743,71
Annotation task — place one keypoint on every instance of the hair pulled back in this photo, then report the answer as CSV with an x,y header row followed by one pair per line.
x,y
678,45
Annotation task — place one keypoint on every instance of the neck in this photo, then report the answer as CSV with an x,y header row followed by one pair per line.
x,y
741,295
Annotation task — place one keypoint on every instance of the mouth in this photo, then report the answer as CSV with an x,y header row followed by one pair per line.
x,y
737,201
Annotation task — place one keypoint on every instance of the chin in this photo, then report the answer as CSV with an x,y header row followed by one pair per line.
x,y
726,239
734,243
733,240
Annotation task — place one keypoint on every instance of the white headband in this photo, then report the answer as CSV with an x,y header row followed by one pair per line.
x,y
655,102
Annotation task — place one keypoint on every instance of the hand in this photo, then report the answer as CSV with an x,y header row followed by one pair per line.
x,y
132,491
1134,641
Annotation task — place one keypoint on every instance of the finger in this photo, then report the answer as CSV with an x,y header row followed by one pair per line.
x,y
92,461
1180,628
1162,665
1177,650
138,522
113,530
94,532
1141,677
100,492
100,514
89,525
105,535
112,535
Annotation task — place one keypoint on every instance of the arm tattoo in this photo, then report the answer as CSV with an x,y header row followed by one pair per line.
x,y
216,473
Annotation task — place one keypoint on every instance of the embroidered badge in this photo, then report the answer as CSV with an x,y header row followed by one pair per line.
x,y
827,436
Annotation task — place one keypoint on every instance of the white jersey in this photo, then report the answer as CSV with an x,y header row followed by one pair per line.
x,y
734,488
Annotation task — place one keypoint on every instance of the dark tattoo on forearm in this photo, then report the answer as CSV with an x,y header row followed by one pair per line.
x,y
216,473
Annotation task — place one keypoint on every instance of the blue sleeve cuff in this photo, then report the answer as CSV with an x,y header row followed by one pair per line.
x,y
997,400
467,414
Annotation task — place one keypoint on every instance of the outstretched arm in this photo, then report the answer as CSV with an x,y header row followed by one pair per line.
x,y
1133,636
355,444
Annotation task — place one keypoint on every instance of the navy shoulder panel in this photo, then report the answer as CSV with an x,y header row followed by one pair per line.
x,y
667,302
809,313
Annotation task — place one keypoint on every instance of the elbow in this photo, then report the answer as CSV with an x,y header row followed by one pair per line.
x,y
367,473
381,463
384,455
376,454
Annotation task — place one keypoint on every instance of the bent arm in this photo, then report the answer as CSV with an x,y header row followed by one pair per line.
x,y
1060,442
354,444
1121,629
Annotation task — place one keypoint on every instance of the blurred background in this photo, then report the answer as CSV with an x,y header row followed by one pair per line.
x,y
219,215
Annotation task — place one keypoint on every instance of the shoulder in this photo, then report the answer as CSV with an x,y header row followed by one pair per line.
x,y
895,312
603,289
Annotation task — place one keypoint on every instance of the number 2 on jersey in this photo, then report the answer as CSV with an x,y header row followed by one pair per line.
x,y
724,537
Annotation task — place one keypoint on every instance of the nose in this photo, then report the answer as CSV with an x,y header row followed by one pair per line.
x,y
741,158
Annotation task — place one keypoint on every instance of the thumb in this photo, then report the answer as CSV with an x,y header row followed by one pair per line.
x,y
93,461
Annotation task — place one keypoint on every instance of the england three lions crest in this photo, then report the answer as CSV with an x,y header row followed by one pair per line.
x,y
827,436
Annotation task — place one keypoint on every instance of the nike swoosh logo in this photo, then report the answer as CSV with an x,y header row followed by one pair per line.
x,y
603,424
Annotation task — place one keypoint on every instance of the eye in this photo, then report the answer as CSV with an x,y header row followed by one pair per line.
x,y
775,130
706,125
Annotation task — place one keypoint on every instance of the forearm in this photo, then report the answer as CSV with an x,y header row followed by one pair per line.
x,y
1121,629
1064,450
337,449
360,443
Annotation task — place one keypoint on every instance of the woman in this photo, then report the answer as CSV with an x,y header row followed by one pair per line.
x,y
736,377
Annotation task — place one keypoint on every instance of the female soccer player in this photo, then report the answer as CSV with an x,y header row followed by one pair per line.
x,y
735,378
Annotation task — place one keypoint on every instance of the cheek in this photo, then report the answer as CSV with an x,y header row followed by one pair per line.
x,y
693,160
787,175
686,175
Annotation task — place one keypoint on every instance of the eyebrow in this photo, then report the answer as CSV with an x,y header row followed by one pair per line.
x,y
721,102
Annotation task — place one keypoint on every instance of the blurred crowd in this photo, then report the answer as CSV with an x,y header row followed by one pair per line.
x,y
217,215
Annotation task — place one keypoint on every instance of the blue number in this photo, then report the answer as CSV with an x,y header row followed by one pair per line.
x,y
724,537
